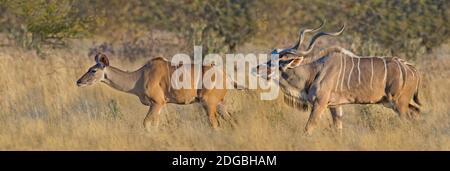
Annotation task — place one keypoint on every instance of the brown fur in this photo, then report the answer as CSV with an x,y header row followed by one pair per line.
x,y
151,83
335,77
158,90
366,80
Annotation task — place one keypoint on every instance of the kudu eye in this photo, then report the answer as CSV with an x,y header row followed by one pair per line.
x,y
93,71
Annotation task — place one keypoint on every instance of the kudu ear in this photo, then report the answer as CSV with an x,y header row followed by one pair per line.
x,y
102,59
297,61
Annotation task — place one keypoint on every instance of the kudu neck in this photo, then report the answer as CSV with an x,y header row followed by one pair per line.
x,y
311,70
121,80
303,75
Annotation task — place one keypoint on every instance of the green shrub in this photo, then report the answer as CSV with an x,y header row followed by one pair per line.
x,y
219,26
408,27
398,27
44,22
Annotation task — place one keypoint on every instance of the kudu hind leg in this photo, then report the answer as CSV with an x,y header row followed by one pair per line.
x,y
414,111
401,107
211,110
152,118
407,112
222,110
336,114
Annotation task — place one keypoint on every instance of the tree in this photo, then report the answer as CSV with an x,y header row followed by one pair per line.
x,y
409,27
220,26
44,22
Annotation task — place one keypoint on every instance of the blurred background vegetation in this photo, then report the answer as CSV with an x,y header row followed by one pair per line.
x,y
374,27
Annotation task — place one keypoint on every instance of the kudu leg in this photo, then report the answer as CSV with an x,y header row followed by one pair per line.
x,y
414,111
212,115
152,118
222,110
405,109
401,106
336,114
314,117
211,110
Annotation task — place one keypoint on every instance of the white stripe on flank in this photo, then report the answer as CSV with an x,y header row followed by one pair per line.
x,y
385,71
359,72
350,74
371,76
412,71
406,66
343,73
340,70
403,66
400,71
406,72
418,81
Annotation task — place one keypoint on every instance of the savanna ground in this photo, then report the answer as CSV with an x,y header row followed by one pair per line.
x,y
41,108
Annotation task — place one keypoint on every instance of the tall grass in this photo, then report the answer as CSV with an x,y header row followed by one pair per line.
x,y
41,108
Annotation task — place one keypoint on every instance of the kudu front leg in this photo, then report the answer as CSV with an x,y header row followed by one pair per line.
x,y
212,115
152,118
211,109
314,117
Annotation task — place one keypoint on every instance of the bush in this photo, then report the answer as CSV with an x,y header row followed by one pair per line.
x,y
399,27
409,27
219,26
43,22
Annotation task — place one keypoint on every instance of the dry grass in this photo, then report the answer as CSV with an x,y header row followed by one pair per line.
x,y
42,109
